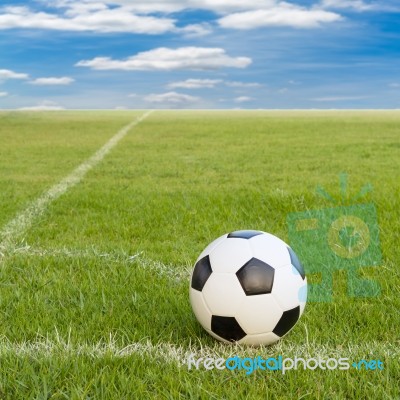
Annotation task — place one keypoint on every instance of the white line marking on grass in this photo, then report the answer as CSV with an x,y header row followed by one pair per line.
x,y
164,270
179,354
50,348
23,221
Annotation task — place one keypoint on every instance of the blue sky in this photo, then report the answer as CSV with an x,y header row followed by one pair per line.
x,y
199,54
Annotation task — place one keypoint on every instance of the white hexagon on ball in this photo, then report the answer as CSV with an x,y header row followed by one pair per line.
x,y
288,288
270,249
200,308
259,314
230,255
223,294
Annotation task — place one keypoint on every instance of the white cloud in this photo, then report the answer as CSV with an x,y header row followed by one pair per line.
x,y
52,81
166,59
74,7
166,6
195,84
171,98
226,6
211,83
358,5
43,106
3,94
85,19
195,30
362,5
283,14
242,99
339,98
8,74
243,84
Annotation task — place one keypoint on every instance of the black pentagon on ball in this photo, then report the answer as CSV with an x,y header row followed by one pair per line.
x,y
201,273
244,234
287,321
256,277
296,263
227,328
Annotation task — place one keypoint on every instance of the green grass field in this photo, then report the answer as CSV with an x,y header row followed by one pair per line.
x,y
94,289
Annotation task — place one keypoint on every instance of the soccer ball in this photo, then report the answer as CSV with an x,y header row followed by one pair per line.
x,y
248,287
